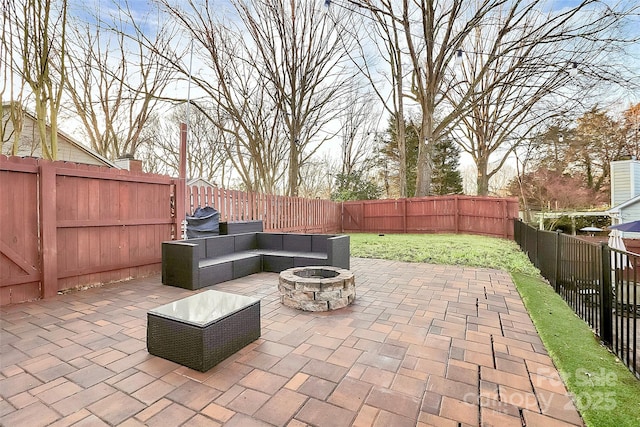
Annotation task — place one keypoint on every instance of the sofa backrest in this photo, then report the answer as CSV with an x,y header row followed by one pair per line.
x,y
245,242
296,242
239,227
215,246
272,241
219,245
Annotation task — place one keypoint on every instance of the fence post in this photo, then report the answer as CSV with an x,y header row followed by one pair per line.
x,y
182,204
180,208
536,261
606,300
48,228
505,218
456,209
404,219
558,262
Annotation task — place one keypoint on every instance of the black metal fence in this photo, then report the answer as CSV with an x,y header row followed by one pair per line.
x,y
598,282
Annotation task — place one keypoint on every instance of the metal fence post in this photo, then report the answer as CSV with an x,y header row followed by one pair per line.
x,y
556,279
606,297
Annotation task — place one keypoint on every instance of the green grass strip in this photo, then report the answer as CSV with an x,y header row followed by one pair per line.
x,y
606,392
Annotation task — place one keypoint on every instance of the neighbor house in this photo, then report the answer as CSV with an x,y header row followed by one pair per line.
x,y
201,182
69,149
201,190
625,193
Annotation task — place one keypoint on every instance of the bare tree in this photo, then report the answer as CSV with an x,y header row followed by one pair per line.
x,y
385,33
358,125
632,129
435,33
276,79
535,82
548,145
299,55
12,84
207,155
116,78
231,96
37,54
499,182
318,177
504,108
469,182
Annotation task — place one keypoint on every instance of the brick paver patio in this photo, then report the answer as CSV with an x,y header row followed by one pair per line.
x,y
422,345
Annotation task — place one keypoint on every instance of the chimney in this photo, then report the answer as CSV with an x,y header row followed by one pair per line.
x,y
129,163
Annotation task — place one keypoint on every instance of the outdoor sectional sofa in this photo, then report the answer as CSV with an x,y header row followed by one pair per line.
x,y
197,263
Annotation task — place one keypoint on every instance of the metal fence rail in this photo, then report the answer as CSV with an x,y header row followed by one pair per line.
x,y
599,283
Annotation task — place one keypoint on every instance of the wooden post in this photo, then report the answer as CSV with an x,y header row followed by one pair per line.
x,y
456,208
505,216
48,228
252,205
181,188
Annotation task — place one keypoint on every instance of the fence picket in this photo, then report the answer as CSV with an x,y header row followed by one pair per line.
x,y
597,289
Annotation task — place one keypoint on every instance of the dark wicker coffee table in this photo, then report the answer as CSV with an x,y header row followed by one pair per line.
x,y
202,330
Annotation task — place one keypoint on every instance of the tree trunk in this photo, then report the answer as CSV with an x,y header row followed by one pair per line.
x,y
425,147
293,168
482,180
400,122
402,152
41,120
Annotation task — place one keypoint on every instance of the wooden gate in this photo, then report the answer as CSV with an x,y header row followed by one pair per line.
x,y
20,272
352,216
66,225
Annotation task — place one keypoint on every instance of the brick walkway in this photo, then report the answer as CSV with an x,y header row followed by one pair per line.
x,y
422,345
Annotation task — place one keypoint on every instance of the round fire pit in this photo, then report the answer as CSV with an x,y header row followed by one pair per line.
x,y
317,288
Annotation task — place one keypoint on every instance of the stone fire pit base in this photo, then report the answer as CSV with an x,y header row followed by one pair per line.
x,y
317,288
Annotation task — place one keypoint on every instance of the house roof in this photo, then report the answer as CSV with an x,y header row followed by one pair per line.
x,y
200,181
71,141
625,204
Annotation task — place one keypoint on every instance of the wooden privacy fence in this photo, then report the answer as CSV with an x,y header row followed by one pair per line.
x,y
66,225
488,216
278,213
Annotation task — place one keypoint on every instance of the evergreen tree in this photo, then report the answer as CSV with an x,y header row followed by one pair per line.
x,y
390,157
446,178
355,186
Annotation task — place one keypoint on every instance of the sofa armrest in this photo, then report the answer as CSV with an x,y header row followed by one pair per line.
x,y
180,261
339,251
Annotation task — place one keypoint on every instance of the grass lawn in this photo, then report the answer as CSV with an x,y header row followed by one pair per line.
x,y
607,394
